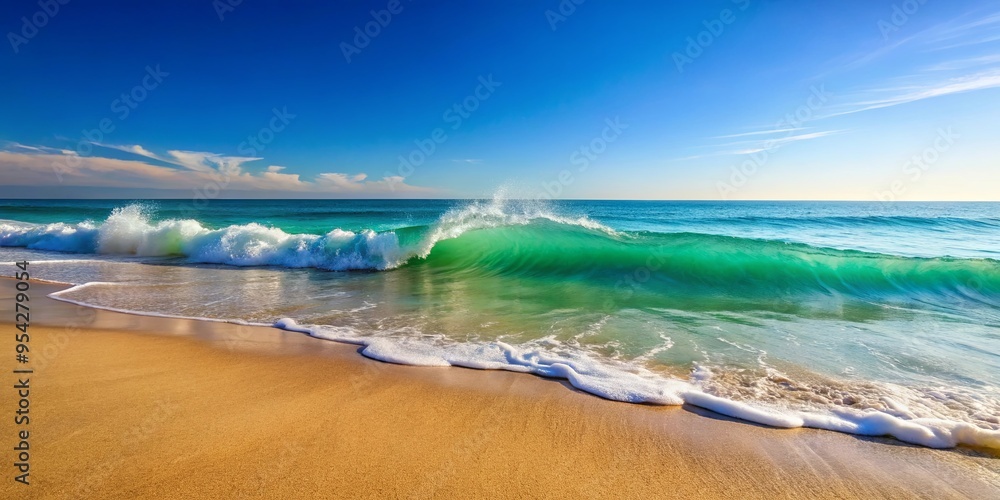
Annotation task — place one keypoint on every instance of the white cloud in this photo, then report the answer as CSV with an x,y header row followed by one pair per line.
x,y
192,160
971,62
893,96
772,131
136,149
771,141
337,182
209,162
39,149
928,58
23,165
955,33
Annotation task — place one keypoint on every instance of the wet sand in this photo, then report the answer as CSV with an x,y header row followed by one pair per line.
x,y
126,406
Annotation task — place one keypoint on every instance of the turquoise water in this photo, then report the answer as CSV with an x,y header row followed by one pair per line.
x,y
867,318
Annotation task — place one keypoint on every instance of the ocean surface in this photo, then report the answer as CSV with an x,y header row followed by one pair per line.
x,y
865,318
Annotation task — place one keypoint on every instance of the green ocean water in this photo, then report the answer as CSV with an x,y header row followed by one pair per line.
x,y
868,318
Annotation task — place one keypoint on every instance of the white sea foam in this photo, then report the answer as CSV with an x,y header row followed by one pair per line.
x,y
622,382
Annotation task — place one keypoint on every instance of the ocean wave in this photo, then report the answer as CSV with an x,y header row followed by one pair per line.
x,y
526,239
130,231
694,262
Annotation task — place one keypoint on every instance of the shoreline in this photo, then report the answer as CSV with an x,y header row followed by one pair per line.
x,y
929,432
133,405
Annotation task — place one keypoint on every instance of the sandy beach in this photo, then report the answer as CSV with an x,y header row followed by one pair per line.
x,y
126,406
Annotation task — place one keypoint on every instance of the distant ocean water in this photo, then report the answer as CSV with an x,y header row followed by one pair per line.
x,y
866,318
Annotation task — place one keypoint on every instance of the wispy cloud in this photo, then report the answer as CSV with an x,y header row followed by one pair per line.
x,y
926,66
961,32
209,162
134,149
770,140
960,64
8,145
878,98
970,29
472,161
192,160
773,143
24,165
852,62
759,132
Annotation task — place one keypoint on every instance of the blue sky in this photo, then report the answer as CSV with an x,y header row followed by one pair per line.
x,y
732,99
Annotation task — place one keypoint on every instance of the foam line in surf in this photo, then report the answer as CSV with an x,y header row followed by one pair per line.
x,y
75,288
639,386
618,383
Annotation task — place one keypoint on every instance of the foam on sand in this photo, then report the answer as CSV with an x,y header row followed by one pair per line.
x,y
619,381
631,385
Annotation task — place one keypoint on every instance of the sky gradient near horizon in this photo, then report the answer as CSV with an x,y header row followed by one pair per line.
x,y
722,99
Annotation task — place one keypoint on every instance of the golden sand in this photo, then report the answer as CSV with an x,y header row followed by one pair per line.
x,y
126,406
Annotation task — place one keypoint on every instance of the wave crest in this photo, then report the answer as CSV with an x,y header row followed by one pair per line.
x,y
130,231
527,239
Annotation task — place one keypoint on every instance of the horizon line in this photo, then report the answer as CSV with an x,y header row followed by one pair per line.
x,y
711,200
